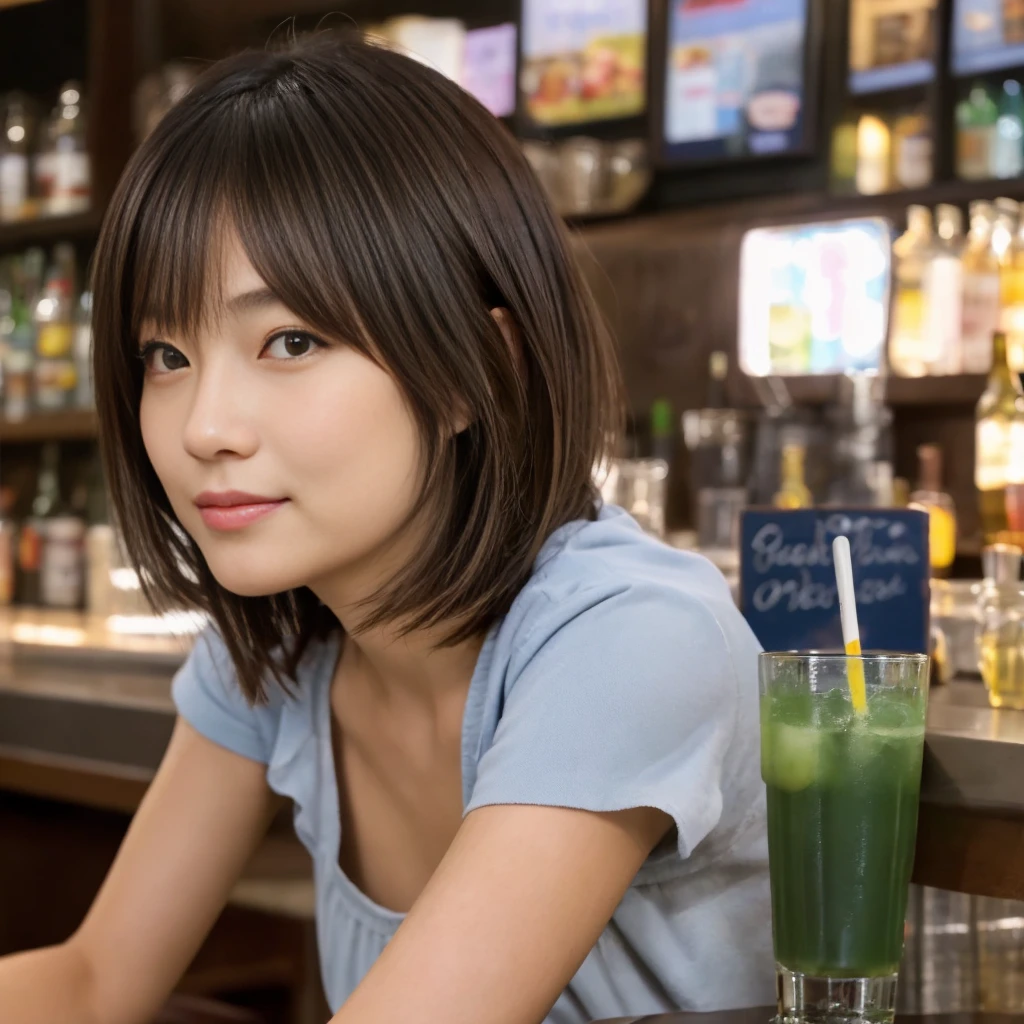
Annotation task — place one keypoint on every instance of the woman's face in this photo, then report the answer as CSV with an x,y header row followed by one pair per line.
x,y
292,460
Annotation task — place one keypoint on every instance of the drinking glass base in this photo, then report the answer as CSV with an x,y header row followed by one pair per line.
x,y
803,999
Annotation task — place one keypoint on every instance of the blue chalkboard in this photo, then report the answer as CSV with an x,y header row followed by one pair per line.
x,y
788,585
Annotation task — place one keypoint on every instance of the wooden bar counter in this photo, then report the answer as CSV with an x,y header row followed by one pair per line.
x,y
85,716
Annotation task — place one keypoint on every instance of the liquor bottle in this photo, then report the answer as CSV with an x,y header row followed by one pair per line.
x,y
873,155
999,435
1008,144
14,148
976,118
912,150
19,360
85,397
980,291
793,491
718,370
72,173
1005,226
942,290
55,334
911,250
1011,297
663,440
931,498
33,529
1000,616
843,158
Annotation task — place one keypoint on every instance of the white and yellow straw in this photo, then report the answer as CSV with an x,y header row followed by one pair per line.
x,y
848,616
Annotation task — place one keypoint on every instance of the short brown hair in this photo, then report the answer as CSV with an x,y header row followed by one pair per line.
x,y
384,206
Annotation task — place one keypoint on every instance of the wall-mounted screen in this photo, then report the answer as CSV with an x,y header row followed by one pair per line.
x,y
734,79
988,35
892,44
489,67
814,298
583,60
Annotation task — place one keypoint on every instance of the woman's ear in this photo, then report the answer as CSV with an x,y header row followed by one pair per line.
x,y
510,332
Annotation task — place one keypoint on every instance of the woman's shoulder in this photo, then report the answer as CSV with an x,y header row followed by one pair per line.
x,y
592,575
207,695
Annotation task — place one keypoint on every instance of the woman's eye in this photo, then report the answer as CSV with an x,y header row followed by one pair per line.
x,y
291,345
159,358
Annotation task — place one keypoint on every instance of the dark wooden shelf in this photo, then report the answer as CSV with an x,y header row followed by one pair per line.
x,y
44,230
955,390
958,389
74,425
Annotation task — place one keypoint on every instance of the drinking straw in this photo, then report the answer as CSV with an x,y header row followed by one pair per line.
x,y
848,617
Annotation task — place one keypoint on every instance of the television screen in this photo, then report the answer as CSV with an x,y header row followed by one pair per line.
x,y
892,45
734,79
489,67
988,35
583,60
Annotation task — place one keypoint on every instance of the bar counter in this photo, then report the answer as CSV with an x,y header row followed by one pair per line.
x,y
85,716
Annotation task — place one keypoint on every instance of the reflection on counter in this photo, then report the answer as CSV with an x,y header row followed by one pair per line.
x,y
37,631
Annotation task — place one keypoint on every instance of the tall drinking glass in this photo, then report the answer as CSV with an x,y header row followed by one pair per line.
x,y
843,790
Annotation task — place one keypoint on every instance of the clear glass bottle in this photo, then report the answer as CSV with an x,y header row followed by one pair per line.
x,y
793,491
942,284
72,171
980,306
1001,627
999,435
44,162
1008,144
911,251
931,498
14,166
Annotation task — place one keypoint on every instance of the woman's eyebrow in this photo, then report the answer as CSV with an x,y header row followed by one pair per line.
x,y
250,301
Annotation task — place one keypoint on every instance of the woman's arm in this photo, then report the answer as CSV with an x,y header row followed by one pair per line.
x,y
515,906
189,841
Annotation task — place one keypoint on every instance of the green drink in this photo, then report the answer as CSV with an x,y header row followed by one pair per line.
x,y
842,818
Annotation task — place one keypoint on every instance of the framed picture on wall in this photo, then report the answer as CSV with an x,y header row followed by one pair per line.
x,y
583,62
735,80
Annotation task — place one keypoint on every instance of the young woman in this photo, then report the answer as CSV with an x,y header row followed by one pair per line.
x,y
352,390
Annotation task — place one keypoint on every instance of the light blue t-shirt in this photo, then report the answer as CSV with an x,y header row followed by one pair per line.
x,y
622,676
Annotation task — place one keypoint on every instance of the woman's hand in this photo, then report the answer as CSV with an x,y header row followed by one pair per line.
x,y
510,914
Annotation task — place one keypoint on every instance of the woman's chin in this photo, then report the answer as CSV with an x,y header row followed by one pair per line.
x,y
250,583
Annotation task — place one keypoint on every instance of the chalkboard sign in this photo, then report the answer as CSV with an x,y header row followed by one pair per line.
x,y
788,584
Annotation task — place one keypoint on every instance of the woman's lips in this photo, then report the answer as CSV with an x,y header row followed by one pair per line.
x,y
237,517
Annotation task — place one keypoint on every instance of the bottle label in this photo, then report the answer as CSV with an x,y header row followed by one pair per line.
x,y
943,314
60,579
980,320
6,564
914,161
13,185
55,340
996,443
972,153
29,548
71,175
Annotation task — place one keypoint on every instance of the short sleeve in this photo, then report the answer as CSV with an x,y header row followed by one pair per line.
x,y
207,695
632,702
